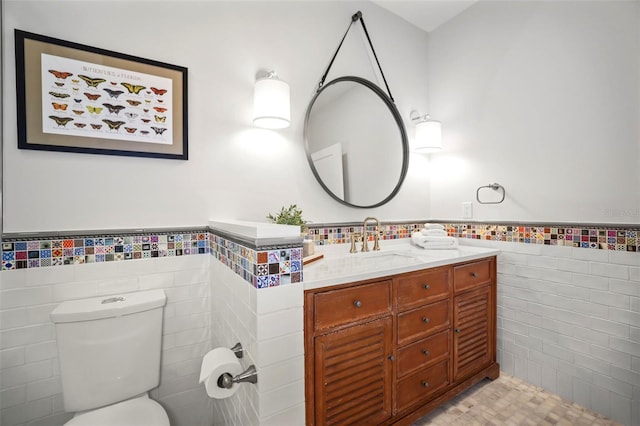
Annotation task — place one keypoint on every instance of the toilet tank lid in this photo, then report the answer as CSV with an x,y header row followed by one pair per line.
x,y
108,306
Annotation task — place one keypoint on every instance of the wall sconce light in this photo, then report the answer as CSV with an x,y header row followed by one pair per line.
x,y
428,137
271,108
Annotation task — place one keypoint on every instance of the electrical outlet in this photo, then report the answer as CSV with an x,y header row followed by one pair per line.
x,y
467,210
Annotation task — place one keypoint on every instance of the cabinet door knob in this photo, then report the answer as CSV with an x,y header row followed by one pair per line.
x,y
425,352
457,330
425,320
426,286
357,303
391,357
425,383
474,274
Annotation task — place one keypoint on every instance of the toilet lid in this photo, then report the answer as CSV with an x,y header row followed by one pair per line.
x,y
134,412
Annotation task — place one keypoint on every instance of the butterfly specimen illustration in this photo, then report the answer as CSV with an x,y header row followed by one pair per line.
x,y
158,130
133,88
146,110
59,84
145,120
113,83
160,101
159,92
130,115
78,112
133,103
62,107
144,132
114,93
59,95
91,96
113,125
77,100
160,119
75,80
147,101
114,109
130,129
61,74
79,125
61,121
94,110
92,82
96,126
160,109
75,89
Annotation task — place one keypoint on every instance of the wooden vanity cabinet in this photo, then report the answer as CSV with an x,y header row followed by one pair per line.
x,y
388,351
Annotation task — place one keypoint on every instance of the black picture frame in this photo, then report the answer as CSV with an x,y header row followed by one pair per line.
x,y
112,108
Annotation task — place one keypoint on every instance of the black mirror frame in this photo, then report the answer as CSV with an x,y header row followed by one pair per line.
x,y
396,115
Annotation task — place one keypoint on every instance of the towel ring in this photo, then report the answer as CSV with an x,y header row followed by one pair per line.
x,y
495,186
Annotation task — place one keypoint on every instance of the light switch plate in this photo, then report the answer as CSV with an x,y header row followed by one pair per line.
x,y
467,210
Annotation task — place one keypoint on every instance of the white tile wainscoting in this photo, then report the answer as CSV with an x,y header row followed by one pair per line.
x,y
29,374
569,322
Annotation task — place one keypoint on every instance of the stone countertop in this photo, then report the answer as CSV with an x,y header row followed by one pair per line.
x,y
395,257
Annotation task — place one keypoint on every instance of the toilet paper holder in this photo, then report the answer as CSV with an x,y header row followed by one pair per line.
x,y
250,375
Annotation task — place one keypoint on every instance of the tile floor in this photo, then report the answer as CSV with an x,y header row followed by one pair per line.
x,y
512,402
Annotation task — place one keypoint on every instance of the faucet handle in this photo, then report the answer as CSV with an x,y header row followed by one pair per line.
x,y
355,237
376,240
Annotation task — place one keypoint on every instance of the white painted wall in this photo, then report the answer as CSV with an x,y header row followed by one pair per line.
x,y
234,171
544,98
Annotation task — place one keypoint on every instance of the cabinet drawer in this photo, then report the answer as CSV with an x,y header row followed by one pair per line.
x,y
420,288
472,274
422,384
421,322
423,353
336,307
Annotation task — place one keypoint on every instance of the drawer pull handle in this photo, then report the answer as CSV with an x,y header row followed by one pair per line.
x,y
357,303
474,274
457,330
425,352
426,286
391,357
425,383
425,320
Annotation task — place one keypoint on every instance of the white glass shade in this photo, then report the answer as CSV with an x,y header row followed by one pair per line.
x,y
428,137
271,109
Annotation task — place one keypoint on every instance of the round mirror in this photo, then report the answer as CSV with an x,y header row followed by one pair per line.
x,y
356,142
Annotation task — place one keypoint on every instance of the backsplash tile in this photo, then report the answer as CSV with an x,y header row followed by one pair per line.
x,y
267,268
593,237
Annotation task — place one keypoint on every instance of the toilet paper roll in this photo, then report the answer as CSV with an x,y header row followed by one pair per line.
x,y
214,364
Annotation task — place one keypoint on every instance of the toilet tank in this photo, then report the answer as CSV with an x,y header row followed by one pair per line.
x,y
109,347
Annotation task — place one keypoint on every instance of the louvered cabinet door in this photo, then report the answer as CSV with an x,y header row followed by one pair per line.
x,y
471,332
353,375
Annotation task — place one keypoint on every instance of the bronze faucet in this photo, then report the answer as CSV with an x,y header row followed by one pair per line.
x,y
376,236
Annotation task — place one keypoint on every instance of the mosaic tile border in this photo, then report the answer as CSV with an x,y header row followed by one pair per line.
x,y
625,238
73,250
260,267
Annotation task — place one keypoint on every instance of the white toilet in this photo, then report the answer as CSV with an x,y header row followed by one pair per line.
x,y
109,351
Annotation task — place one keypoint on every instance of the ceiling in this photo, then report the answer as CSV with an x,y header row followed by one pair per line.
x,y
425,14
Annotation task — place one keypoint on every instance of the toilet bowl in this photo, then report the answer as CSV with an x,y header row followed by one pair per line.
x,y
141,411
109,352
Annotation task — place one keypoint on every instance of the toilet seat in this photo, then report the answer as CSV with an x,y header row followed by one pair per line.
x,y
134,412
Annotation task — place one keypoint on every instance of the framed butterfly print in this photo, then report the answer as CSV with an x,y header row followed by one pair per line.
x,y
77,98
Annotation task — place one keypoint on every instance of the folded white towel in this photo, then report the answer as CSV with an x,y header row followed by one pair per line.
x,y
433,242
434,226
434,232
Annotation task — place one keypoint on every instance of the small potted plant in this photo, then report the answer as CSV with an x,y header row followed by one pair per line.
x,y
291,215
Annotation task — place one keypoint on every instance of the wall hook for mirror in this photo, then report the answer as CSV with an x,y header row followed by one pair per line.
x,y
271,104
428,134
355,18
